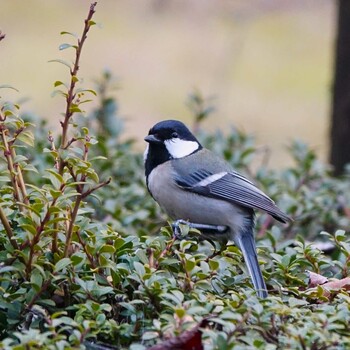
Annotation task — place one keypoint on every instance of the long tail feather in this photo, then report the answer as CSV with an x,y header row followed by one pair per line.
x,y
246,243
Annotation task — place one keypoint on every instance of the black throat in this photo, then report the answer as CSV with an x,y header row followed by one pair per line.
x,y
157,154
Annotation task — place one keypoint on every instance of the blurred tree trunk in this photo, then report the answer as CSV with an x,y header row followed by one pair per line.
x,y
340,128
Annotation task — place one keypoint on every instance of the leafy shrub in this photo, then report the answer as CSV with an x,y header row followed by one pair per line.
x,y
85,260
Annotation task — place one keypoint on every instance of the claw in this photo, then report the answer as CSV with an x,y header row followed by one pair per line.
x,y
216,229
176,227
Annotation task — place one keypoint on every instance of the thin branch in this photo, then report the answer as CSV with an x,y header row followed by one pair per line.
x,y
71,226
93,189
10,166
7,228
74,71
43,288
20,179
73,139
53,148
89,256
265,225
39,231
165,251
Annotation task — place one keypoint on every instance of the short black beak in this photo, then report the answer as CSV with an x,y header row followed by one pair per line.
x,y
152,139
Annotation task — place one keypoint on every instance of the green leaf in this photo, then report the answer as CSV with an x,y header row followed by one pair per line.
x,y
26,137
294,302
285,260
189,265
32,208
214,265
4,269
40,269
47,302
180,312
340,235
107,249
61,264
30,167
66,46
98,158
56,175
69,33
5,179
36,280
87,90
65,63
58,83
9,113
93,175
75,109
19,158
29,228
150,335
55,193
140,269
77,259
58,92
141,254
6,86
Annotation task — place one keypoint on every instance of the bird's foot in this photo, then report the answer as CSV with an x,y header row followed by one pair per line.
x,y
214,229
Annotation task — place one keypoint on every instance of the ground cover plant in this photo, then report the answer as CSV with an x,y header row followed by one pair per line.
x,y
87,258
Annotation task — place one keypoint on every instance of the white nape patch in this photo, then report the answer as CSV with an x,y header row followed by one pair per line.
x,y
145,154
180,148
210,179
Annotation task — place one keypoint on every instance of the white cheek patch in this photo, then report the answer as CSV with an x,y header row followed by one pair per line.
x,y
180,148
145,154
210,179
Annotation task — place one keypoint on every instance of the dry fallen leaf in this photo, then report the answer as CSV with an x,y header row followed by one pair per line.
x,y
328,288
316,279
336,285
188,340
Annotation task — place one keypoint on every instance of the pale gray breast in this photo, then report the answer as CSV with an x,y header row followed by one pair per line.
x,y
181,204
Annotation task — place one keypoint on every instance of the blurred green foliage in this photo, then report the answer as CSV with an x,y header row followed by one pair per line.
x,y
86,262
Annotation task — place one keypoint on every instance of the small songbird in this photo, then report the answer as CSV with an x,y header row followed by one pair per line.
x,y
193,184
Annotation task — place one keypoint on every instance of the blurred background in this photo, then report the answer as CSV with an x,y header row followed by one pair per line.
x,y
267,64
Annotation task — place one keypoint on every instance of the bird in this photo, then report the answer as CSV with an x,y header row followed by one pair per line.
x,y
194,185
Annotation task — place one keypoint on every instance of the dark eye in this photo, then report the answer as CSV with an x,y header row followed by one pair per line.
x,y
174,135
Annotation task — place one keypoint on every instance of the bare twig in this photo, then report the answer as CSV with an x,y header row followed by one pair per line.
x,y
39,231
93,189
74,71
165,251
265,225
71,226
75,211
73,139
89,256
10,166
7,228
20,179
43,288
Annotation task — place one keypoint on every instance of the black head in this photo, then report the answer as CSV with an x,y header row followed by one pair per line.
x,y
168,139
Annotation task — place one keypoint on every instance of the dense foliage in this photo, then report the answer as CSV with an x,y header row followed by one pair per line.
x,y
86,261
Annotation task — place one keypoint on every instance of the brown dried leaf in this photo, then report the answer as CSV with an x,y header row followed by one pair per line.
x,y
323,290
188,340
336,285
316,279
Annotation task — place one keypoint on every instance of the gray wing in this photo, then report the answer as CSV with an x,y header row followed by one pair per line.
x,y
232,187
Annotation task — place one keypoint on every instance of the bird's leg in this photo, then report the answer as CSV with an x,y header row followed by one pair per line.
x,y
214,229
